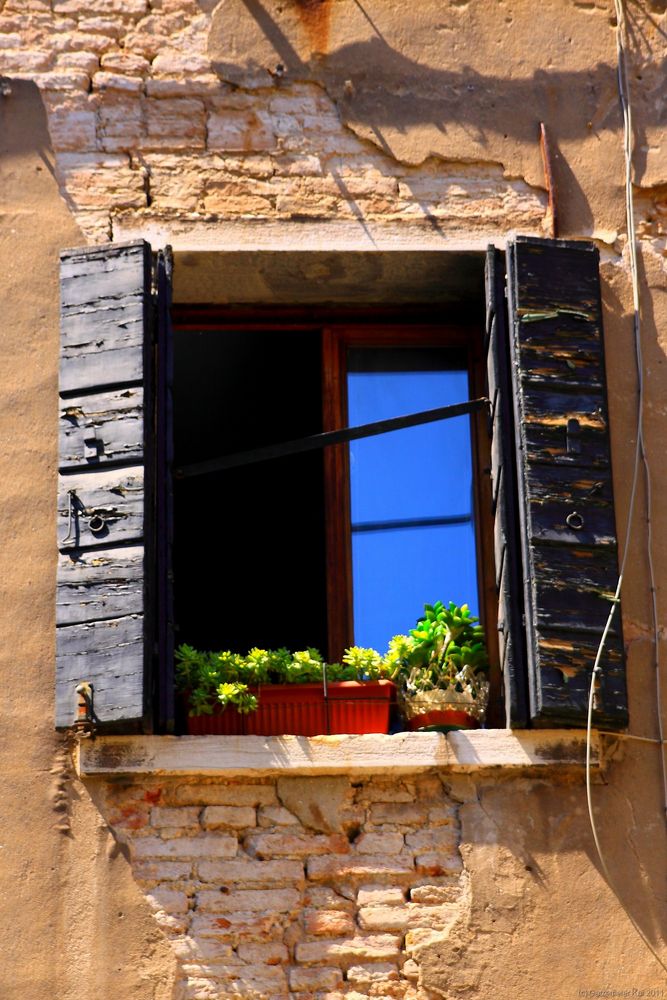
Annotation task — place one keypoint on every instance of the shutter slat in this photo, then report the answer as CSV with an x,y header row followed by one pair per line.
x,y
504,502
116,496
106,324
110,654
104,311
100,583
102,428
564,480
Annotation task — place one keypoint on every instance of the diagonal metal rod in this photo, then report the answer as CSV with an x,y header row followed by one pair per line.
x,y
316,441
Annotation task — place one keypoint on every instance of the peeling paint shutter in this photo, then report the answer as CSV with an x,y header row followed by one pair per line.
x,y
569,548
506,532
107,519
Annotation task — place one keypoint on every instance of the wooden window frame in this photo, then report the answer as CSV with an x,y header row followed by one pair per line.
x,y
386,327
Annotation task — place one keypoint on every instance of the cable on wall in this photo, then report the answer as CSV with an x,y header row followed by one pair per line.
x,y
641,461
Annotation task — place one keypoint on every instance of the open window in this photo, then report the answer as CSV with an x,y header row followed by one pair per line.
x,y
338,546
541,476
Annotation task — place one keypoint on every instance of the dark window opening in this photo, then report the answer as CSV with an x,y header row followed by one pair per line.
x,y
249,557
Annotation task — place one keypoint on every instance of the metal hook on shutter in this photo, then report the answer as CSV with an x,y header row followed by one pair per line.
x,y
85,712
575,521
73,498
97,523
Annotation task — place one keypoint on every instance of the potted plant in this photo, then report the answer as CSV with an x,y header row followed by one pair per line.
x,y
442,667
276,692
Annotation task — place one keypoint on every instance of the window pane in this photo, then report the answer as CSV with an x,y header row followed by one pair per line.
x,y
411,492
249,558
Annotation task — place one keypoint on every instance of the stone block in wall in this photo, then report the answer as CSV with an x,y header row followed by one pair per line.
x,y
198,85
178,64
442,838
380,895
72,122
174,123
401,814
324,897
328,923
126,8
82,62
345,950
25,62
249,900
314,979
270,953
207,846
240,927
125,62
433,894
117,81
161,871
119,121
174,817
63,80
291,845
152,33
106,26
240,131
380,843
92,179
237,817
215,794
351,866
384,918
170,900
434,863
276,816
364,976
235,199
252,873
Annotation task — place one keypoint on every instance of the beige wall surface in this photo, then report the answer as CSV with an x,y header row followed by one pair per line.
x,y
388,121
71,920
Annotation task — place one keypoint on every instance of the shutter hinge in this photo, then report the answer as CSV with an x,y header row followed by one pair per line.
x,y
85,712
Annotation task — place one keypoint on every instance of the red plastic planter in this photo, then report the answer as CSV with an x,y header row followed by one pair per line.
x,y
301,710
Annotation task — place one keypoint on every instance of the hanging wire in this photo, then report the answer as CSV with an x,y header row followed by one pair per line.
x,y
641,461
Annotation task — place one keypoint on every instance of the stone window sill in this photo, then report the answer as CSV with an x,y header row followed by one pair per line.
x,y
404,753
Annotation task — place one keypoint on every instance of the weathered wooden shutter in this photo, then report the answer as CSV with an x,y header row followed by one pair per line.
x,y
506,532
108,521
568,535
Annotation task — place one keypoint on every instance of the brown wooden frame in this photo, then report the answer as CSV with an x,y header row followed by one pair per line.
x,y
340,329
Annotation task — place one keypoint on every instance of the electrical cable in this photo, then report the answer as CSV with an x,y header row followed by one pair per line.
x,y
641,460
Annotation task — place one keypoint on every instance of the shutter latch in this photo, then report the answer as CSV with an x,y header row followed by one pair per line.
x,y
91,443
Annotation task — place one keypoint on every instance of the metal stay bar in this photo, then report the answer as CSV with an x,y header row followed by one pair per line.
x,y
316,441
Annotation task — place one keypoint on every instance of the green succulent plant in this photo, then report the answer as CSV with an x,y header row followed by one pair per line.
x,y
446,647
226,678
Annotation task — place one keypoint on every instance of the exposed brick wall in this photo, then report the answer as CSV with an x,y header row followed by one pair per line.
x,y
143,128
259,905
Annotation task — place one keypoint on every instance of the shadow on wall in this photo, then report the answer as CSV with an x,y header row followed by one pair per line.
x,y
411,109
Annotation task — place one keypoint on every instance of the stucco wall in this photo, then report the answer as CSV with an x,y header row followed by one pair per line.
x,y
161,116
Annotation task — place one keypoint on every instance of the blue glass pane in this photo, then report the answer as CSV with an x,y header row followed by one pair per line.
x,y
396,572
417,475
417,472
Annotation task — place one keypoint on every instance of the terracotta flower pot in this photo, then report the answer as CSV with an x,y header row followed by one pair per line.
x,y
443,721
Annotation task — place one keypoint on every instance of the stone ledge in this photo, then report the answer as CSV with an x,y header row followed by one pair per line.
x,y
404,753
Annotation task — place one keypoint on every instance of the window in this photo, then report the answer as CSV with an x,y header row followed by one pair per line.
x,y
333,547
546,485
